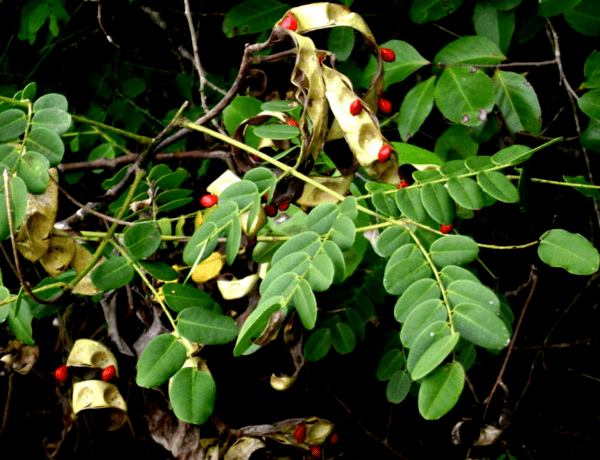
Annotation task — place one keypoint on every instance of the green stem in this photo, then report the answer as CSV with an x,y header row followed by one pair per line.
x,y
141,139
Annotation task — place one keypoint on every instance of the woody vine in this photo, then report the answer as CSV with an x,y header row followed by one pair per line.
x,y
311,182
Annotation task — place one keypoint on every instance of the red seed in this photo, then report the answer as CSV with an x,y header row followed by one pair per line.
x,y
334,438
108,373
61,374
384,153
284,205
209,200
445,229
403,184
315,450
289,22
255,157
356,107
270,210
300,433
384,106
387,54
292,122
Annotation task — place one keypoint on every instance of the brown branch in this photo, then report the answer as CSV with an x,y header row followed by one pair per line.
x,y
218,108
112,163
511,346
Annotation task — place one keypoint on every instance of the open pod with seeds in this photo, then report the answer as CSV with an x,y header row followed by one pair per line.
x,y
89,353
110,409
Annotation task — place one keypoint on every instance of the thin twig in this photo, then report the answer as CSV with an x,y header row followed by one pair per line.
x,y
85,208
511,346
198,65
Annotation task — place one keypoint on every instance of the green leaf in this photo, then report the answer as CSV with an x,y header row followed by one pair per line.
x,y
464,290
434,356
410,204
348,208
453,273
423,315
133,87
391,239
498,186
341,42
264,179
497,25
240,109
479,163
455,143
256,323
518,102
56,120
321,218
415,295
480,326
431,10
253,16
234,237
13,123
277,131
33,169
427,175
411,154
465,96
20,324
591,70
320,273
390,363
192,394
427,337
440,390
385,204
243,193
342,338
182,296
408,60
297,263
222,216
398,387
306,304
590,138
585,17
513,155
549,8
593,192
589,104
404,268
175,204
141,240
337,259
466,192
172,179
454,168
159,270
415,108
51,101
18,202
343,232
453,250
202,244
9,156
172,195
470,50
571,251
161,359
438,204
307,242
287,105
318,344
205,326
112,274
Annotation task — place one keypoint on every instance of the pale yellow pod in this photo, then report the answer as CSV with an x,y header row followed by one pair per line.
x,y
96,394
236,289
89,353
